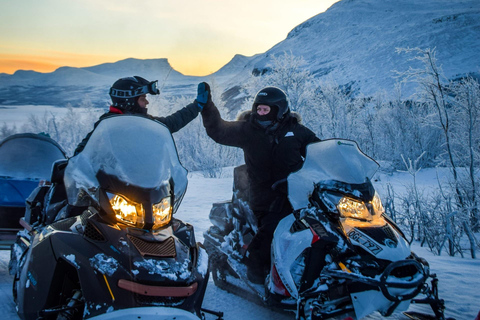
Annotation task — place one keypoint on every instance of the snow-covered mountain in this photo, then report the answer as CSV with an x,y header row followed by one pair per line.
x,y
102,74
353,43
68,84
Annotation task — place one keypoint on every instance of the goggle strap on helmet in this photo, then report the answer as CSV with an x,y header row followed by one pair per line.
x,y
151,88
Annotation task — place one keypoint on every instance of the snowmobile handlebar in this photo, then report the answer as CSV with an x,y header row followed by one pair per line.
x,y
384,284
417,284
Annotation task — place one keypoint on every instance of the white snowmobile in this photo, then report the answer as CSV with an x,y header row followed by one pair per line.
x,y
338,255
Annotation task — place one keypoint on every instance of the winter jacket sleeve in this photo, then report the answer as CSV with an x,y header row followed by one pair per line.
x,y
290,154
309,137
181,118
230,133
82,144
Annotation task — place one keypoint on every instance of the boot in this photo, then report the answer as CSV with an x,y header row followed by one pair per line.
x,y
255,269
255,275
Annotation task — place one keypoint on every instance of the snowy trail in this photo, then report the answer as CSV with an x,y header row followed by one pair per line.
x,y
7,308
459,278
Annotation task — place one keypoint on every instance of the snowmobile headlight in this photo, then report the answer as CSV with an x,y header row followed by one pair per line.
x,y
377,205
354,209
127,211
162,213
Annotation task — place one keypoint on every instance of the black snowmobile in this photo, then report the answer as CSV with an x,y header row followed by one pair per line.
x,y
338,255
101,242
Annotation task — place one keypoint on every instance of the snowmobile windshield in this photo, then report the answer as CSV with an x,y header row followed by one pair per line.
x,y
28,156
329,160
132,152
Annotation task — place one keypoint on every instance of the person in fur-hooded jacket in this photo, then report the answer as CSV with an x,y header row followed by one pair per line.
x,y
274,143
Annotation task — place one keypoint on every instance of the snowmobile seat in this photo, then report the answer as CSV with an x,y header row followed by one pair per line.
x,y
58,170
241,208
34,204
240,182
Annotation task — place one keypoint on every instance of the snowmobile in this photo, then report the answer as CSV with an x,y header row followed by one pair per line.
x,y
25,160
337,255
101,242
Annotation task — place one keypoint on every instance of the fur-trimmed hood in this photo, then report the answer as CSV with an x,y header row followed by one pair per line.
x,y
245,116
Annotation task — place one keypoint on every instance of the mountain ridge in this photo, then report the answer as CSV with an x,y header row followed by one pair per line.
x,y
355,40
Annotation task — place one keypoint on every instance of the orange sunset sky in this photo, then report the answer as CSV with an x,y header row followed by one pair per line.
x,y
197,36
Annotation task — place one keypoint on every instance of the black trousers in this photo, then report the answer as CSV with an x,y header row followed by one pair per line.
x,y
258,252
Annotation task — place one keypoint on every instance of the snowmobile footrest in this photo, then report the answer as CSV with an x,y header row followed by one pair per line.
x,y
419,316
219,314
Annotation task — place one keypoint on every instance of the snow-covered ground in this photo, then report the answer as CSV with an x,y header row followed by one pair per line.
x,y
459,278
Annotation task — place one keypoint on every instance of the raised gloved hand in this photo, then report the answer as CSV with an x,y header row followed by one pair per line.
x,y
203,94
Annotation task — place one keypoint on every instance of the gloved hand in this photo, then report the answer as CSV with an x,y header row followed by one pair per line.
x,y
203,95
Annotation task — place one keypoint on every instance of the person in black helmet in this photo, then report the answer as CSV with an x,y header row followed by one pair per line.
x,y
129,96
274,143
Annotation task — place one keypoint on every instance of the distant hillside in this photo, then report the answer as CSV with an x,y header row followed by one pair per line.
x,y
72,85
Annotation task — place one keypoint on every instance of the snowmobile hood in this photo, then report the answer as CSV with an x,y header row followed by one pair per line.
x,y
148,313
329,160
134,150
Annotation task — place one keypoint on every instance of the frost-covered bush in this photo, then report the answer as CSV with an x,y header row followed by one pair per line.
x,y
68,130
7,130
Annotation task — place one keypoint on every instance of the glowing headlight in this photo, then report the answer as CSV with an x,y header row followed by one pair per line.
x,y
350,208
127,211
162,213
377,205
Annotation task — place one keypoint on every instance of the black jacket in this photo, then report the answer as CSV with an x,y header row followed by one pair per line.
x,y
270,155
174,122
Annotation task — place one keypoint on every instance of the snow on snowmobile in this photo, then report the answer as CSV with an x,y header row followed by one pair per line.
x,y
338,255
101,242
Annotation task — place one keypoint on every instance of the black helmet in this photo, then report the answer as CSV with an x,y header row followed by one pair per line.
x,y
272,96
124,91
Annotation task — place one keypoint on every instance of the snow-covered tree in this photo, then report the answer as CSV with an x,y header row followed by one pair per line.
x,y
291,74
67,130
433,92
197,151
6,130
452,109
467,136
334,107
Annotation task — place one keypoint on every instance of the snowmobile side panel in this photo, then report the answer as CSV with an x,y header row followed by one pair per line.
x,y
286,247
94,268
36,279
